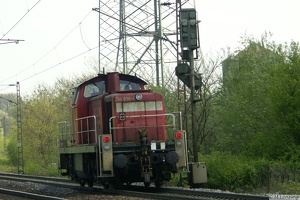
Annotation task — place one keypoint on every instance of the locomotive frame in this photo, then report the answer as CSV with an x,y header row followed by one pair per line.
x,y
120,134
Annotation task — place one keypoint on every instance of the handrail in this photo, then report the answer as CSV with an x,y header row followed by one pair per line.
x,y
82,132
64,135
100,157
66,138
180,119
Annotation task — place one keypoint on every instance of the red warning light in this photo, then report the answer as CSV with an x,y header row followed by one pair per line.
x,y
179,135
106,139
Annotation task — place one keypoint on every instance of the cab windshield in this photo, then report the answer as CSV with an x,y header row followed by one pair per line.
x,y
128,85
94,89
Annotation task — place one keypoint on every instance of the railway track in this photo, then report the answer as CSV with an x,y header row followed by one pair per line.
x,y
129,191
19,195
184,193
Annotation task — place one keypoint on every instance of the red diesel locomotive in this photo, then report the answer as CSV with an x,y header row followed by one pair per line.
x,y
119,133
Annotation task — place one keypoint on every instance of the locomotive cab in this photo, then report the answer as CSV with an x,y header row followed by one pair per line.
x,y
120,133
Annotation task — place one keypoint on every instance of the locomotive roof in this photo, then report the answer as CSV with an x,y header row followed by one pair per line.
x,y
121,77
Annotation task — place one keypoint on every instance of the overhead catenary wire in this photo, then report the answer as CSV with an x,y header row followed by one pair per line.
x,y
20,19
60,63
48,52
80,25
56,65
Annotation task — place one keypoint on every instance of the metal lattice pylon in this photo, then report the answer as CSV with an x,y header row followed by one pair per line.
x,y
139,37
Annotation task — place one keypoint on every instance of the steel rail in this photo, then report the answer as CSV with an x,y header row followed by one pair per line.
x,y
28,195
198,193
139,191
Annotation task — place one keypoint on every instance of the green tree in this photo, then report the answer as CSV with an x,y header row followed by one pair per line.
x,y
40,116
259,104
207,122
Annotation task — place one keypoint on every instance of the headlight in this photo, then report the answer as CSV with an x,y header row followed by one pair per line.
x,y
138,96
106,147
179,143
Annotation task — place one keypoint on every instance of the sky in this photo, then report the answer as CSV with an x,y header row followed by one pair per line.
x,y
60,36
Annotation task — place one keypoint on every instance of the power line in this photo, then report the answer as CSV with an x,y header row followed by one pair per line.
x,y
60,63
64,61
20,19
48,52
8,100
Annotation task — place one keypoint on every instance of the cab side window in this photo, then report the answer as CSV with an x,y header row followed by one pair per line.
x,y
75,96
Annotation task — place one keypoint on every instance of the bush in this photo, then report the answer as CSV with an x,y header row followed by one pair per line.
x,y
235,173
12,150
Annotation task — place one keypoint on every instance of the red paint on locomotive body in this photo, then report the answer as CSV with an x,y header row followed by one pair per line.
x,y
146,113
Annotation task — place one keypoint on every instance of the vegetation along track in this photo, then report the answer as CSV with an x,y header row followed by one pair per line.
x,y
129,191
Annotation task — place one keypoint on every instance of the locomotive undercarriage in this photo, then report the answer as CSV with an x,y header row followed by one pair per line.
x,y
144,165
79,167
140,164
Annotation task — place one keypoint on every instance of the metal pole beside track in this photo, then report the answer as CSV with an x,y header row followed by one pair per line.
x,y
20,140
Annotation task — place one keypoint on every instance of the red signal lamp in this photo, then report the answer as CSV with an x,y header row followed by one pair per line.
x,y
178,135
106,139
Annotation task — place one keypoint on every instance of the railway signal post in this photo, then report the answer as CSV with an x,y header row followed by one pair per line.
x,y
185,72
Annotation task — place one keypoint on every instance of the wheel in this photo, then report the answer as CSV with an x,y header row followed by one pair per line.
x,y
147,184
91,183
118,184
158,184
82,183
106,186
